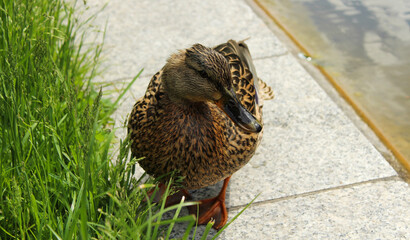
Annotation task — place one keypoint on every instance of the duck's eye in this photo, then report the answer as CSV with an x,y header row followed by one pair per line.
x,y
203,74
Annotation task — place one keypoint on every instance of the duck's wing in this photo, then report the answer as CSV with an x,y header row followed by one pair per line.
x,y
263,90
145,109
245,80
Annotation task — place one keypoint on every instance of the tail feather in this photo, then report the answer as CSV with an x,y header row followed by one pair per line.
x,y
265,90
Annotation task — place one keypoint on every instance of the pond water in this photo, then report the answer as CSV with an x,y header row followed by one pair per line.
x,y
365,46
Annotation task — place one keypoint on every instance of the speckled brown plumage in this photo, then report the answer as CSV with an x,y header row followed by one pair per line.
x,y
197,138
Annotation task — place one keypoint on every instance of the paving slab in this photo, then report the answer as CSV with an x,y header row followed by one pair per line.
x,y
308,142
378,209
375,210
142,34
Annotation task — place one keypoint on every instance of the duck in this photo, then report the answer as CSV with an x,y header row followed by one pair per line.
x,y
201,117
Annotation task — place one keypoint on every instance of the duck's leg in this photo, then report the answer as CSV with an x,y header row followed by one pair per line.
x,y
212,208
172,199
177,197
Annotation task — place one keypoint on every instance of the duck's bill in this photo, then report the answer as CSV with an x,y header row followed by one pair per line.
x,y
230,104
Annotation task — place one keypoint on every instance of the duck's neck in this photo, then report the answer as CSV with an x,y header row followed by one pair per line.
x,y
182,104
189,107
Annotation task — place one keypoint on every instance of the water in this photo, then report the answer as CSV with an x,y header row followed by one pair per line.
x,y
365,46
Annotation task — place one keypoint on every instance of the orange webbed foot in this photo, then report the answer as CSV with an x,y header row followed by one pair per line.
x,y
212,209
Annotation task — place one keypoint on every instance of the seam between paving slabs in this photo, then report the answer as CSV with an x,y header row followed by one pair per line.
x,y
306,194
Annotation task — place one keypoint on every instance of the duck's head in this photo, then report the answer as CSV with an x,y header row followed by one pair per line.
x,y
201,74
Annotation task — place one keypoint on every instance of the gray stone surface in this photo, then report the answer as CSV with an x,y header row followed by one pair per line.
x,y
377,210
142,34
311,151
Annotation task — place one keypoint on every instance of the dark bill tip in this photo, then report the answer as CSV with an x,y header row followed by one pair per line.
x,y
238,113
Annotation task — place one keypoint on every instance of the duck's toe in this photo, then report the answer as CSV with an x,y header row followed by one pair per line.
x,y
212,209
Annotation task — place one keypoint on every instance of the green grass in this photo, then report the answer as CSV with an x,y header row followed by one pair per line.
x,y
57,177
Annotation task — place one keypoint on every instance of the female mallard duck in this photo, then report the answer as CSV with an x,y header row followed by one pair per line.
x,y
202,117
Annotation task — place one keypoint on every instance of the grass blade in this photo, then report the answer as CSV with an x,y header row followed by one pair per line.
x,y
233,219
123,93
73,215
171,225
188,229
207,229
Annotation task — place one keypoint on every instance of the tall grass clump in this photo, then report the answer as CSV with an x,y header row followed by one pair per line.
x,y
53,148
